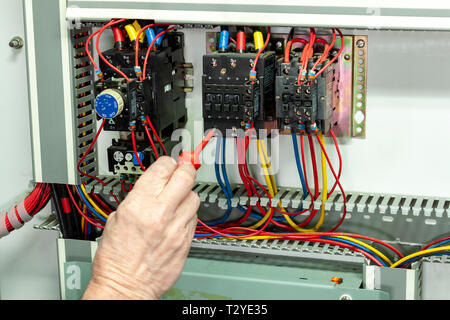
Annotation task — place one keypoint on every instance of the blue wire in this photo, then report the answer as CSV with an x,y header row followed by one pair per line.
x,y
89,227
439,244
88,205
358,246
228,186
224,190
299,165
418,257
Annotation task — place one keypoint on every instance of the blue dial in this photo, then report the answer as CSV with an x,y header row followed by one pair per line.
x,y
108,104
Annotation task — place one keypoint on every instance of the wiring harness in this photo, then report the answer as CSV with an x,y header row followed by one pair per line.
x,y
15,217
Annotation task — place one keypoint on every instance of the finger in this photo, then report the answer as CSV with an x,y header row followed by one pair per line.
x,y
179,186
187,210
155,178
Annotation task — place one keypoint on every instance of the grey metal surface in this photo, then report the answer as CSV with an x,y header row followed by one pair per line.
x,y
363,14
83,103
433,278
55,117
50,95
280,248
401,284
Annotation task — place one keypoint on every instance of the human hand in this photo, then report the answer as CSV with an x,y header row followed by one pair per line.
x,y
146,241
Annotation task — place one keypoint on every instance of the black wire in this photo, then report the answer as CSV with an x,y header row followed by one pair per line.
x,y
59,212
110,207
291,34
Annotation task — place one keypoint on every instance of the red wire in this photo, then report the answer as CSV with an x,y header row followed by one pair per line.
x,y
314,166
86,46
151,142
326,51
109,24
85,155
335,57
287,50
338,182
156,134
133,139
122,186
104,206
255,62
340,161
434,242
80,212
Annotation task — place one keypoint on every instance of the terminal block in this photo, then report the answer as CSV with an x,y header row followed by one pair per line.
x,y
304,108
230,99
122,159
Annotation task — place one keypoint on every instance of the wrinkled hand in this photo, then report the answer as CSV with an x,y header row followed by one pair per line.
x,y
146,241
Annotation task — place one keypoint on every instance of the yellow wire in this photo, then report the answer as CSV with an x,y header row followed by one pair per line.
x,y
324,184
264,159
368,247
419,253
82,218
96,207
264,219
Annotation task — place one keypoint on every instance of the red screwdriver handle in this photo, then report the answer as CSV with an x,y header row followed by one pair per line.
x,y
193,157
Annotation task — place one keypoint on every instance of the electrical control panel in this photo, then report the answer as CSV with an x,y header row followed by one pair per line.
x,y
249,75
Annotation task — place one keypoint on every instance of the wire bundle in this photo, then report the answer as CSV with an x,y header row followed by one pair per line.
x,y
16,216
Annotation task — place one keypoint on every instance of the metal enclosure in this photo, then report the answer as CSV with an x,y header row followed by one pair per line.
x,y
406,217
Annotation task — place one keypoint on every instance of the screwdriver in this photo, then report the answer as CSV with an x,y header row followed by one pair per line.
x,y
192,157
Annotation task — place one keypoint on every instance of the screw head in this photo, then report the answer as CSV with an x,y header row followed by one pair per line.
x,y
347,57
360,43
16,43
345,297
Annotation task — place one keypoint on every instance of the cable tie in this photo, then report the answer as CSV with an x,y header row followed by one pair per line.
x,y
23,214
13,220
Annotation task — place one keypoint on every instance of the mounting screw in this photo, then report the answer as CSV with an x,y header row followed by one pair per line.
x,y
360,43
345,297
347,57
16,43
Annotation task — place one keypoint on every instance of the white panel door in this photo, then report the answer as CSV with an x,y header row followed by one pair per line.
x,y
28,263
